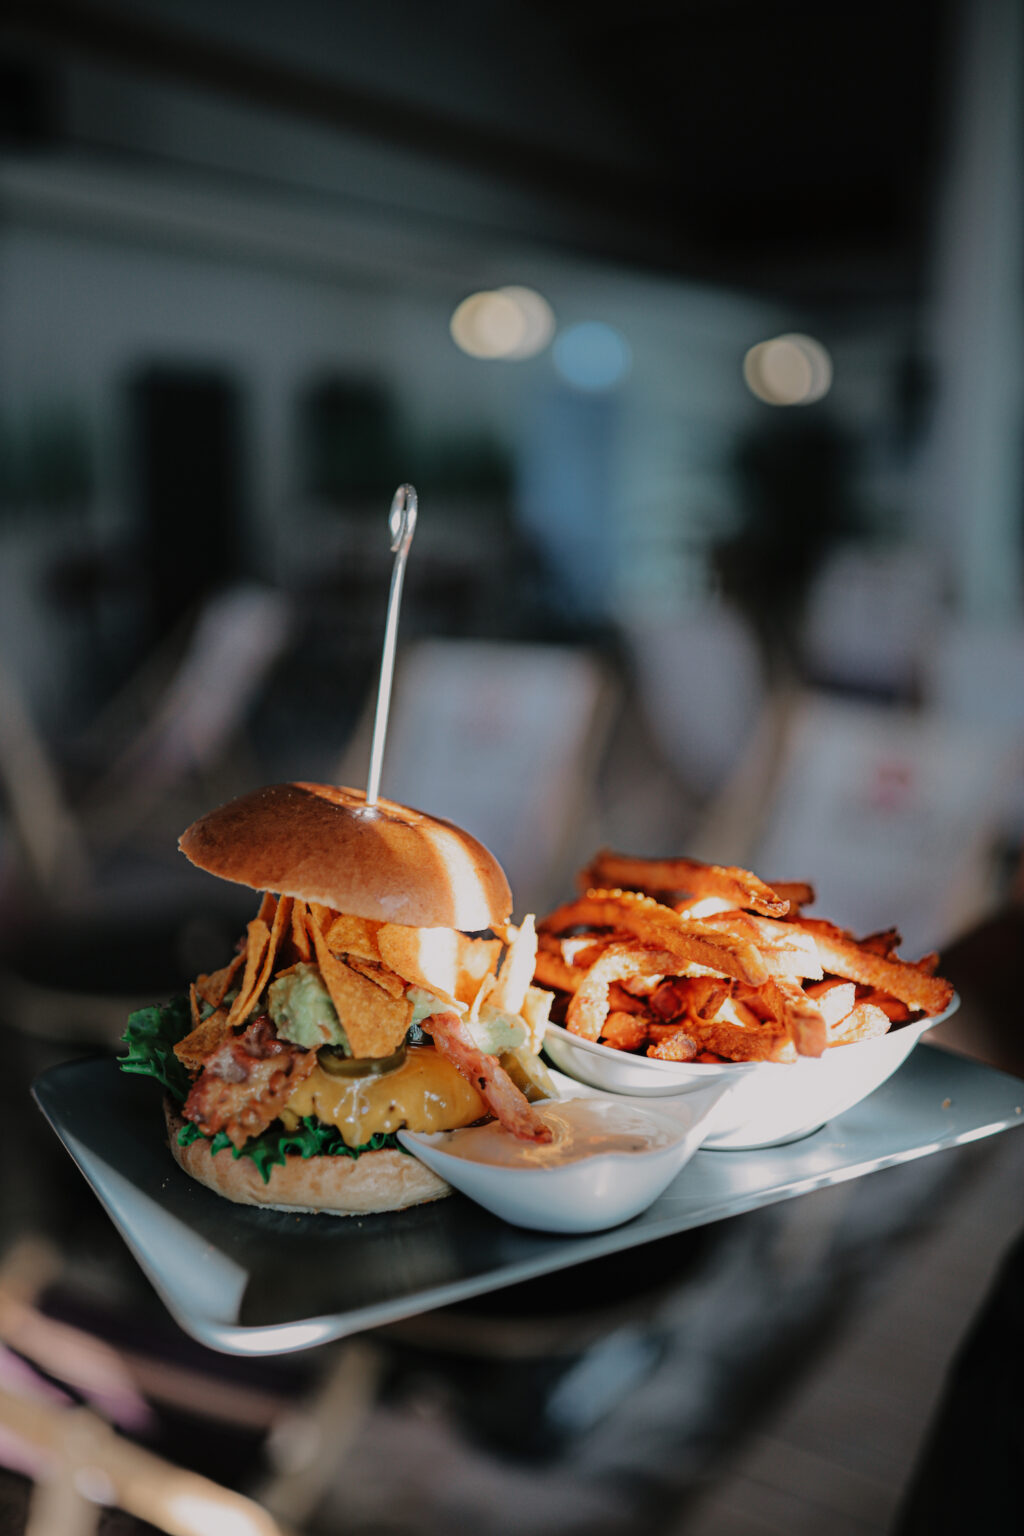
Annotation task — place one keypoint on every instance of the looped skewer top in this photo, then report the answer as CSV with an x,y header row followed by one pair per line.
x,y
401,526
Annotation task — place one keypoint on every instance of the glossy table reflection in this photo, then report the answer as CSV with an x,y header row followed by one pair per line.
x,y
248,1281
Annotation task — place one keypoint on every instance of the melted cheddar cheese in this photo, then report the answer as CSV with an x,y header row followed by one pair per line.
x,y
426,1093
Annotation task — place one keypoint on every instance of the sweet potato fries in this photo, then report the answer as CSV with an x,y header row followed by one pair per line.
x,y
684,961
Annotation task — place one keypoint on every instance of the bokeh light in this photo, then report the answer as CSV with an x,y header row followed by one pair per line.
x,y
788,370
538,319
511,323
592,356
488,324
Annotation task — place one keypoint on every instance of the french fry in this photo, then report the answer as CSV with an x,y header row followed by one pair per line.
x,y
677,1046
885,943
842,956
800,1014
552,971
796,893
624,1031
786,950
700,995
738,1042
835,999
589,1007
610,869
863,1023
690,943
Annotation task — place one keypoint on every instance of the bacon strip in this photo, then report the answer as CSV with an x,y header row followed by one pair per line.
x,y
499,1092
247,1082
726,880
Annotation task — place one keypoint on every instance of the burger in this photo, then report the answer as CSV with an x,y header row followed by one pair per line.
x,y
380,985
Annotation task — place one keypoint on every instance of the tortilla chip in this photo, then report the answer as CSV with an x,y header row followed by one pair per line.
x,y
474,959
482,995
320,916
425,957
193,1005
534,1012
393,985
268,907
211,988
374,1022
199,1045
353,936
516,969
257,940
300,931
257,975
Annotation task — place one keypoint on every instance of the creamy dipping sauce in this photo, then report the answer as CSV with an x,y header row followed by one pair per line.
x,y
583,1128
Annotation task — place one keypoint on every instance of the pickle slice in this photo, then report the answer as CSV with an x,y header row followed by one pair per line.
x,y
334,1061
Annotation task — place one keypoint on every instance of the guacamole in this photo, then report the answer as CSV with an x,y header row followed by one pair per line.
x,y
301,1008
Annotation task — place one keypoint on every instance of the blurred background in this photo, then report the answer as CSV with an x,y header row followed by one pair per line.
x,y
699,328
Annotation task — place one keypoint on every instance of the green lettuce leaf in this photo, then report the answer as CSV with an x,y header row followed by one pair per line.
x,y
312,1139
151,1035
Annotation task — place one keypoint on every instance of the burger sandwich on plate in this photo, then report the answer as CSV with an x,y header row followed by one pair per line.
x,y
379,986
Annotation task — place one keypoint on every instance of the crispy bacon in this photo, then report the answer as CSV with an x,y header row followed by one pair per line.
x,y
505,1101
247,1082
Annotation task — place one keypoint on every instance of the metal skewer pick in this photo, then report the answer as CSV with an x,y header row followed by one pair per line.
x,y
401,526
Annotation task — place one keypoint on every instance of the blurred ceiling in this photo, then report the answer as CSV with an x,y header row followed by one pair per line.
x,y
792,149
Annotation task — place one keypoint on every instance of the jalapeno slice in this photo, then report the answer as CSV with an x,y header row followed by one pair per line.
x,y
338,1064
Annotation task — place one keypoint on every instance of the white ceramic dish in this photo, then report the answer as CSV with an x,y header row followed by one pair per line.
x,y
771,1102
586,1196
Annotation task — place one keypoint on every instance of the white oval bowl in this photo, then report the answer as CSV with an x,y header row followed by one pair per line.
x,y
770,1102
585,1196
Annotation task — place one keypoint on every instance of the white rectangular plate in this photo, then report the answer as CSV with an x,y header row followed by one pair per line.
x,y
255,1282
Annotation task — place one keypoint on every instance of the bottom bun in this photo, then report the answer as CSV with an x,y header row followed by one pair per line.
x,y
387,1180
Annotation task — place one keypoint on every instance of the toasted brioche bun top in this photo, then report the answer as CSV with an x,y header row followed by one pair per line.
x,y
321,842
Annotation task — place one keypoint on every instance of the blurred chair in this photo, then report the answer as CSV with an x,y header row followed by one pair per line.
x,y
48,835
701,684
102,913
893,816
73,1454
506,740
79,1465
871,617
181,731
238,635
975,676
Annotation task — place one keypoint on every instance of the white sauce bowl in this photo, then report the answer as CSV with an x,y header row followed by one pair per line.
x,y
586,1196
